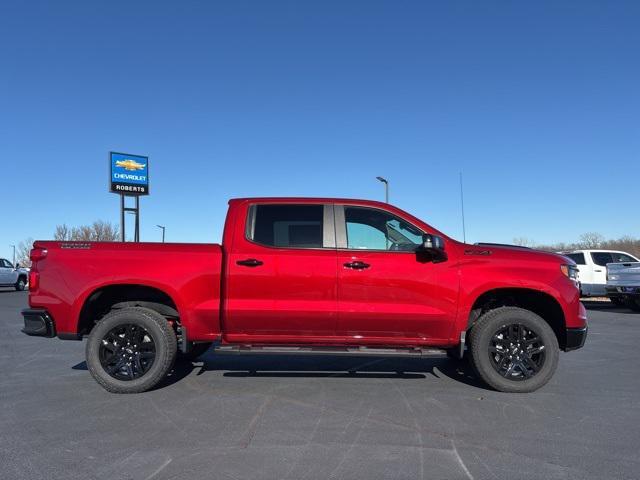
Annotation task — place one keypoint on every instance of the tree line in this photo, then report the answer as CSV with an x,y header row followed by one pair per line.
x,y
589,240
98,231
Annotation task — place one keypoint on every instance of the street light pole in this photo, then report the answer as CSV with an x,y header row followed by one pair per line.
x,y
386,188
163,228
14,254
464,231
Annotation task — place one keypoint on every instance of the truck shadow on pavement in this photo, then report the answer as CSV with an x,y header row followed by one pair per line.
x,y
291,366
317,366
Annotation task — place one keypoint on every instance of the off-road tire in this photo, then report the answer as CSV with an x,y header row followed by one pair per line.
x,y
196,350
481,337
156,326
20,284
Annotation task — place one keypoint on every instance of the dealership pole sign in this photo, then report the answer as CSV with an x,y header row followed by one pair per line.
x,y
129,174
129,177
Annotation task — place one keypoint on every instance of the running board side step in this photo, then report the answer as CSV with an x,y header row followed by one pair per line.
x,y
347,351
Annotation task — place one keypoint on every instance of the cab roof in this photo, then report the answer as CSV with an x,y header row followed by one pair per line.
x,y
355,201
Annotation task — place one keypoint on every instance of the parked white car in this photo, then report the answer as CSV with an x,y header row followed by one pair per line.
x,y
11,276
592,268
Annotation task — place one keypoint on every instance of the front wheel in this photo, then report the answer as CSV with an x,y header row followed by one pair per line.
x,y
131,350
20,284
513,350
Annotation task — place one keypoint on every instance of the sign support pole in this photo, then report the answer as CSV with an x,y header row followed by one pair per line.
x,y
122,237
137,233
136,211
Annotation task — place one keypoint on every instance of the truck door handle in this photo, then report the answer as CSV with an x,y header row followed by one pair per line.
x,y
249,262
357,265
597,270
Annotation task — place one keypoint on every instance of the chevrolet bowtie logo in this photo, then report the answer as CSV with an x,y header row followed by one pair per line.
x,y
130,165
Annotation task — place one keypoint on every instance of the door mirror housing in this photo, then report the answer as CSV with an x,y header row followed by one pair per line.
x,y
434,246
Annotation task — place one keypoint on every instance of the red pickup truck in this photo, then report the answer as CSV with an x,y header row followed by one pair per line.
x,y
308,275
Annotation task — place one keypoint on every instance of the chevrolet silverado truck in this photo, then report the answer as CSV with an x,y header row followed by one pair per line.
x,y
308,276
623,284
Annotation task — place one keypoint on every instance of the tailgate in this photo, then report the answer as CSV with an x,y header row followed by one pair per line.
x,y
623,274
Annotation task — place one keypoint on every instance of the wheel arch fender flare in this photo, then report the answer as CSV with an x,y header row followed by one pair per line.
x,y
97,300
540,301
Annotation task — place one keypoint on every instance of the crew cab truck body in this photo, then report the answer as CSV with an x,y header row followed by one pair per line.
x,y
308,275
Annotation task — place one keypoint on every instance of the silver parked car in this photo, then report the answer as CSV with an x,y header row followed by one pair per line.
x,y
11,276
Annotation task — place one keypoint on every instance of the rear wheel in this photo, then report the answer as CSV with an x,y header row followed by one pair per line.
x,y
634,303
20,284
131,350
513,350
618,301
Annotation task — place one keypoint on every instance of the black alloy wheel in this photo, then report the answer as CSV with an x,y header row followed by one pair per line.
x,y
517,352
513,349
127,352
131,350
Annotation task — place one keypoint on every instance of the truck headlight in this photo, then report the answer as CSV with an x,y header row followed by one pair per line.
x,y
570,271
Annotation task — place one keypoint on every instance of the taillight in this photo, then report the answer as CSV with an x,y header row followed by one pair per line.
x,y
37,254
34,278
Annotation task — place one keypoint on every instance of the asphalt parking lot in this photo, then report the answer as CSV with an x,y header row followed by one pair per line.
x,y
299,418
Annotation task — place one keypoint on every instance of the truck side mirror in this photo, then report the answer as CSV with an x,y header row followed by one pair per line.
x,y
434,246
17,266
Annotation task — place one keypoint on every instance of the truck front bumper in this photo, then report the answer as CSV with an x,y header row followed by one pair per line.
x,y
575,338
38,323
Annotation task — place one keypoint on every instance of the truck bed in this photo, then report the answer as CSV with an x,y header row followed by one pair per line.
x,y
69,273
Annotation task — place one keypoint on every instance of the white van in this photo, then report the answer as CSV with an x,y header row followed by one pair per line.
x,y
592,268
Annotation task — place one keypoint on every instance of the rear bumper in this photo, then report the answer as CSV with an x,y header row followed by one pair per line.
x,y
38,323
624,291
575,338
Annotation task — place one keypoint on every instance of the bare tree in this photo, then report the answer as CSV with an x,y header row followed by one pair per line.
x,y
98,231
591,240
524,242
625,244
62,232
22,252
105,231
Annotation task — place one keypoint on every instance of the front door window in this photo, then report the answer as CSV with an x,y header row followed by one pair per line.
x,y
371,229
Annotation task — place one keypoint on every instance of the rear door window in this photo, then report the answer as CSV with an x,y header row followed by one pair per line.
x,y
287,226
602,258
576,257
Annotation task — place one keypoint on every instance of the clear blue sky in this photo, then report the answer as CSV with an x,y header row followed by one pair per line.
x,y
538,103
